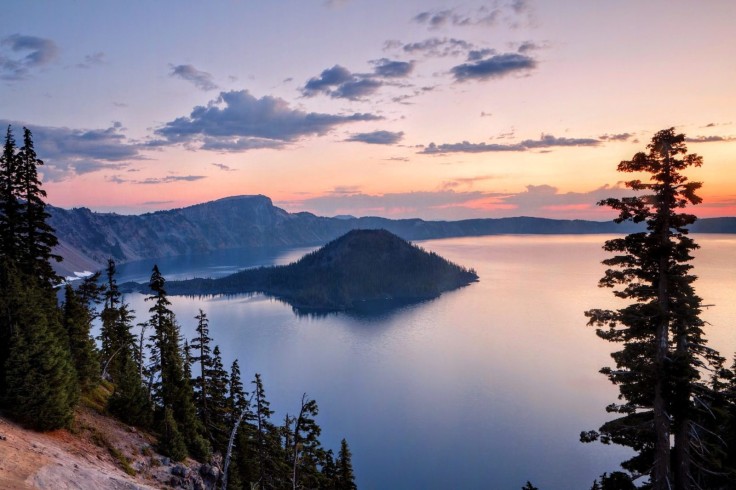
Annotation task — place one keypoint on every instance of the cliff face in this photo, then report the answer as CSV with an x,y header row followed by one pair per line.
x,y
88,239
228,223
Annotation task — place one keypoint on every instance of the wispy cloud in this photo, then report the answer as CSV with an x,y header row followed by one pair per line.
x,y
616,137
223,167
710,139
512,14
467,182
451,203
201,79
91,60
545,141
435,47
238,121
23,53
378,137
157,180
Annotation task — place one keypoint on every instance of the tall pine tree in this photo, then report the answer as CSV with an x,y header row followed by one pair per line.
x,y
172,390
659,367
345,473
38,382
37,236
9,203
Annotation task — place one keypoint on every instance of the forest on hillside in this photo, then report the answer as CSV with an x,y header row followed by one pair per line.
x,y
159,381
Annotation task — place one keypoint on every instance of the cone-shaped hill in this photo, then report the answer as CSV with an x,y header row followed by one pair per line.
x,y
360,266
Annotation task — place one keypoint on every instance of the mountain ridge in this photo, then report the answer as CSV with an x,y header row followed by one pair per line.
x,y
87,238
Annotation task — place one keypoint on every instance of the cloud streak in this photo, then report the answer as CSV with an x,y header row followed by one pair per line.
x,y
201,79
116,179
545,141
710,139
495,66
448,203
437,47
378,137
513,14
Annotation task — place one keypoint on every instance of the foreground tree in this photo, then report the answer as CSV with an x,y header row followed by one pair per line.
x,y
38,383
658,370
345,474
37,237
41,387
173,391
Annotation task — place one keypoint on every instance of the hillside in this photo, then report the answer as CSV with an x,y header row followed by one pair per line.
x,y
361,266
97,453
88,239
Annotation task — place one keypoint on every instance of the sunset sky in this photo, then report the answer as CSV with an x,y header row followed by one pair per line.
x,y
423,108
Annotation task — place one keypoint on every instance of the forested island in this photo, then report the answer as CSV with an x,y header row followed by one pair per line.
x,y
360,267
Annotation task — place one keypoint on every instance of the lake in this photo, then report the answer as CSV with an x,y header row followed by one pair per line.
x,y
485,387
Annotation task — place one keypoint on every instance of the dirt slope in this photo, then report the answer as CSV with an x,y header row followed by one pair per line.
x,y
97,453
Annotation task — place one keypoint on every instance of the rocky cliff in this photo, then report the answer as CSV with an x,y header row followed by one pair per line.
x,y
88,239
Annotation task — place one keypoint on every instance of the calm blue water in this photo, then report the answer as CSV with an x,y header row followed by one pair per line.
x,y
484,388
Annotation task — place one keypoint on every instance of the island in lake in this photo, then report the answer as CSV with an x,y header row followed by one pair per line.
x,y
362,266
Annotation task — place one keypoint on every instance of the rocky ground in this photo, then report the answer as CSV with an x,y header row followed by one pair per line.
x,y
98,452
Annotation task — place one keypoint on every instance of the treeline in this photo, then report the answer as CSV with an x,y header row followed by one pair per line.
x,y
160,381
362,265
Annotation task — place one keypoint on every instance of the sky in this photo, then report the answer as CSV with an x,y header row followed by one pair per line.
x,y
411,108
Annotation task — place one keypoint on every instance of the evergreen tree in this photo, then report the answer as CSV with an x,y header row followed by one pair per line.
x,y
40,382
110,339
77,319
37,236
615,481
171,442
328,470
202,356
658,369
304,451
272,466
9,202
121,356
237,398
130,402
243,468
173,391
345,474
218,402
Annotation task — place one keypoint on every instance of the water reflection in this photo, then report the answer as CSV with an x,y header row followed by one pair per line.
x,y
487,386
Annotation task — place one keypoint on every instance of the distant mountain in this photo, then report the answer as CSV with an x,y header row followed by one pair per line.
x,y
88,239
362,266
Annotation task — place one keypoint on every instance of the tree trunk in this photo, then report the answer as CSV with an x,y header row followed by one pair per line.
x,y
682,457
230,444
661,470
